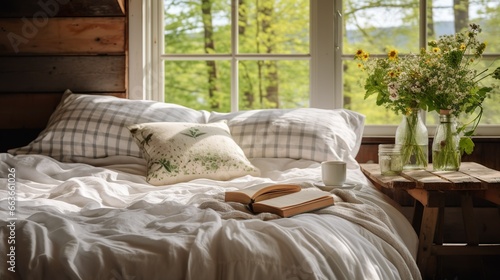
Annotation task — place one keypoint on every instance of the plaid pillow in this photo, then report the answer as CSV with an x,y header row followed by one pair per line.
x,y
95,126
305,133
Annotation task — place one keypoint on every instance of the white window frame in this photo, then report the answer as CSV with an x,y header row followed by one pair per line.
x,y
145,79
145,72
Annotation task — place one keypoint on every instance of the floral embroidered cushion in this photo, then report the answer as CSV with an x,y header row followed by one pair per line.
x,y
178,152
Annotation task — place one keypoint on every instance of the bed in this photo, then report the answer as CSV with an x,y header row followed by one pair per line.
x,y
123,189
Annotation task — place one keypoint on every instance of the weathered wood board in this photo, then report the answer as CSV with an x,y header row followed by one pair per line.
x,y
58,73
87,35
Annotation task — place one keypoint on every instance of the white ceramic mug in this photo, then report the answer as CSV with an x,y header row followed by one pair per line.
x,y
333,172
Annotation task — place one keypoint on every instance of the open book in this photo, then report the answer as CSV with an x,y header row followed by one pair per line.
x,y
281,199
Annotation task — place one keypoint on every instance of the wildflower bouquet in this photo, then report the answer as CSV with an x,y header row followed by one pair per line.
x,y
441,78
451,81
397,83
453,88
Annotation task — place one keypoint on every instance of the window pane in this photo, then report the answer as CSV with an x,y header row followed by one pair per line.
x,y
276,27
491,105
367,28
446,17
196,27
202,85
367,25
273,84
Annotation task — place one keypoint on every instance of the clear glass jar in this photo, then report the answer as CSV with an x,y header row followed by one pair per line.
x,y
389,159
446,154
413,137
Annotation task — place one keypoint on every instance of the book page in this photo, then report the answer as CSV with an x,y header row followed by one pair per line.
x,y
296,203
294,199
260,192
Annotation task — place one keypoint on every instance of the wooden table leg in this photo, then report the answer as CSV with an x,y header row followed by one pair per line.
x,y
426,237
435,268
416,222
469,223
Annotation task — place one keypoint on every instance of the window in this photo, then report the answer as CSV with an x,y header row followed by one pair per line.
x,y
367,27
262,53
229,55
238,71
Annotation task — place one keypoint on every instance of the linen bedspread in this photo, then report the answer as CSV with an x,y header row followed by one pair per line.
x,y
101,220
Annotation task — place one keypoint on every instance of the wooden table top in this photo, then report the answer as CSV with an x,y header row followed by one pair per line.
x,y
471,176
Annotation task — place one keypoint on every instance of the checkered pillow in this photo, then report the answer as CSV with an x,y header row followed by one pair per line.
x,y
95,126
305,133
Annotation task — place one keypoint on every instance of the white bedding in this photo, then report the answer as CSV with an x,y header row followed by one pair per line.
x,y
101,220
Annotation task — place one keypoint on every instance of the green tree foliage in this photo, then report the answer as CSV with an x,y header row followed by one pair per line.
x,y
265,27
274,27
378,36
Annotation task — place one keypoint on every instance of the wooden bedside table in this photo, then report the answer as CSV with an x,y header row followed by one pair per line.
x,y
429,188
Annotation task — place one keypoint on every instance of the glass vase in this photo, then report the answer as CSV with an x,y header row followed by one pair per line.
x,y
446,154
413,138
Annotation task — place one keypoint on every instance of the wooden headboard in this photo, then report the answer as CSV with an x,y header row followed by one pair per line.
x,y
47,47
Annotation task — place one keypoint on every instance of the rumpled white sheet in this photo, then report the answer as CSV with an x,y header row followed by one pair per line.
x,y
103,221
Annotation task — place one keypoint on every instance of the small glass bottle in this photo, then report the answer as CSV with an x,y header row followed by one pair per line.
x,y
389,159
446,154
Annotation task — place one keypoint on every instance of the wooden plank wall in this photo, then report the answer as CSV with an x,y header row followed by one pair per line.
x,y
49,46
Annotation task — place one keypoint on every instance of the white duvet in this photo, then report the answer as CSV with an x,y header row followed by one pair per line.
x,y
101,220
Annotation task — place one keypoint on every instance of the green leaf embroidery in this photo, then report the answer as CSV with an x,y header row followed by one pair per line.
x,y
146,139
167,165
194,133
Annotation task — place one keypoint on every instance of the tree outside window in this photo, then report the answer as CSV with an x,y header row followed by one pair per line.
x,y
266,43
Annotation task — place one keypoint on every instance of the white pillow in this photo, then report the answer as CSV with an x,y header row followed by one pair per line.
x,y
304,133
178,152
95,126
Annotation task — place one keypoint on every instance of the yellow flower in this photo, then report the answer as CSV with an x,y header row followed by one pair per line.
x,y
359,53
362,55
436,50
393,55
462,47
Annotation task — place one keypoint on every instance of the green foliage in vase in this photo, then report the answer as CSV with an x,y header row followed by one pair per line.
x,y
446,154
442,77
